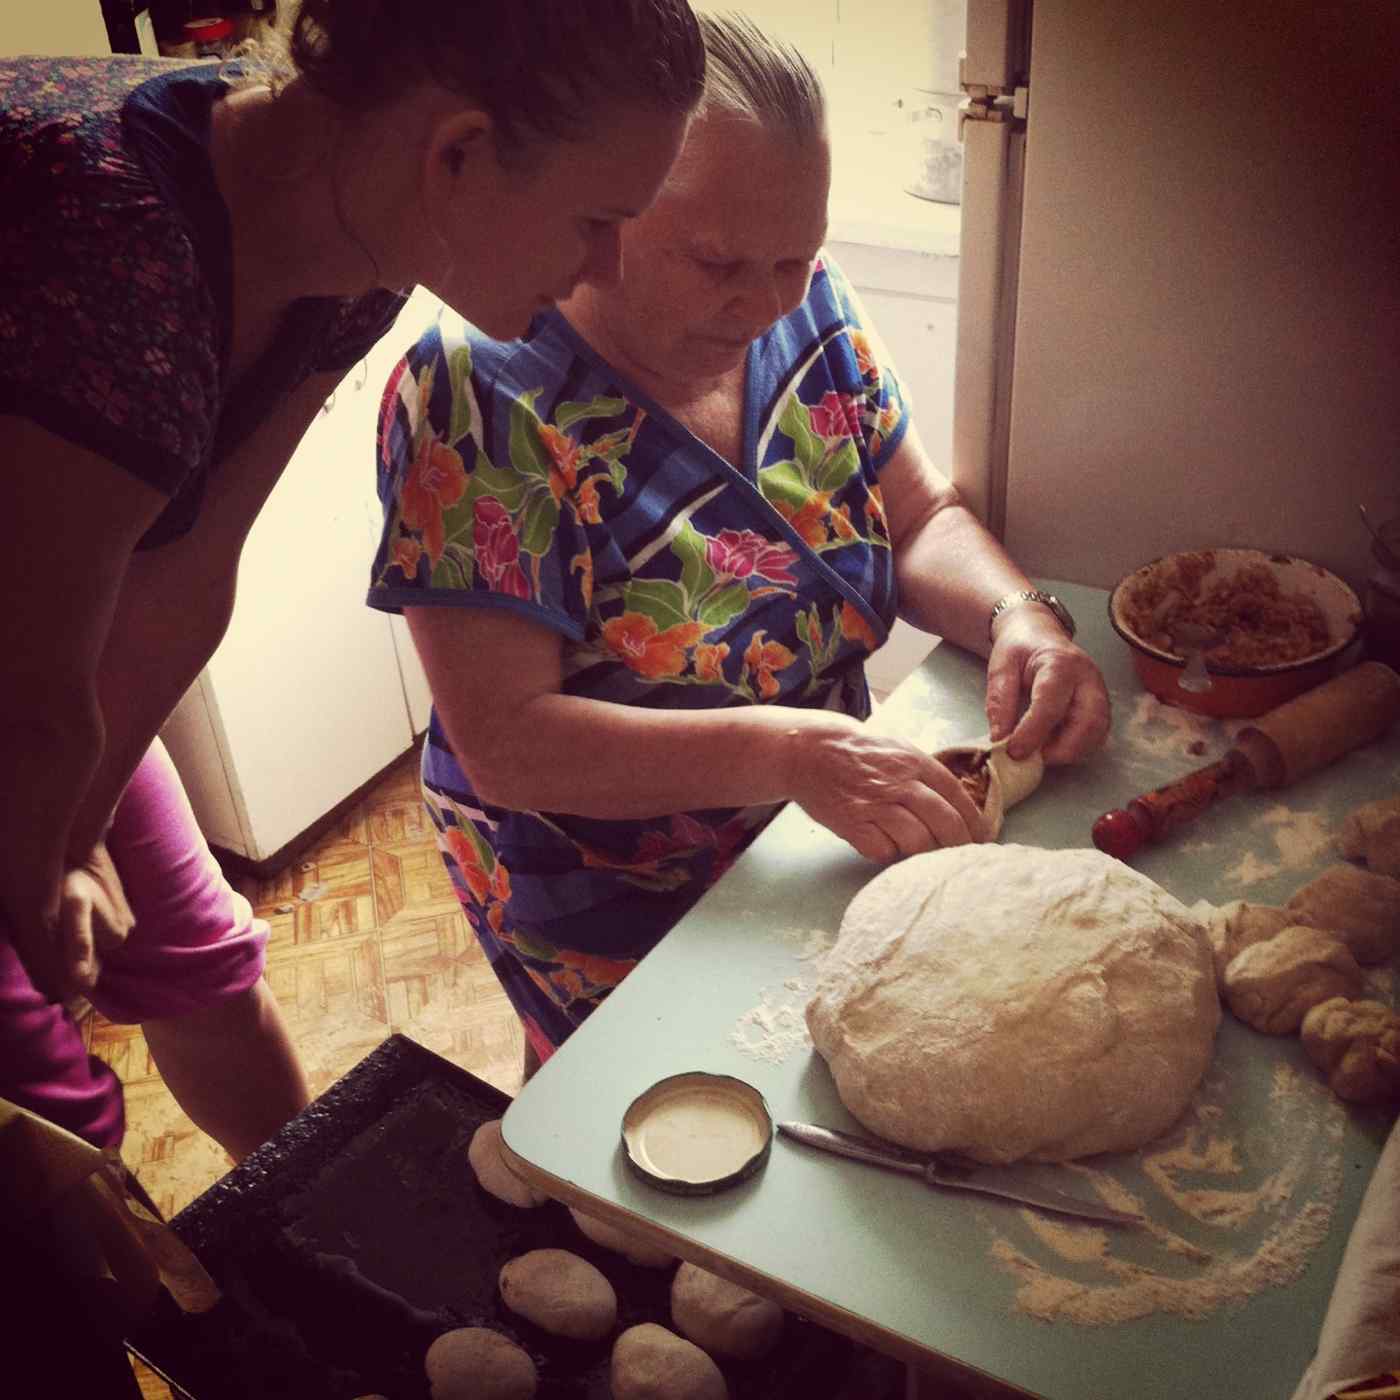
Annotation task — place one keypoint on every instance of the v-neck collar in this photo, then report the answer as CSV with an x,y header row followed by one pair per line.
x,y
746,468
746,481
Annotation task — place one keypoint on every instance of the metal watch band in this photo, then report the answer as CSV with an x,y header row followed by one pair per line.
x,y
1032,595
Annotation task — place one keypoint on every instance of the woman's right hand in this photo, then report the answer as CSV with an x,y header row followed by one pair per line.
x,y
64,956
883,795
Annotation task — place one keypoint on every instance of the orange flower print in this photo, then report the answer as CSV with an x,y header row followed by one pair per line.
x,y
500,882
810,520
855,628
564,457
875,512
840,520
634,640
586,498
594,971
435,481
709,661
407,553
762,659
865,358
464,853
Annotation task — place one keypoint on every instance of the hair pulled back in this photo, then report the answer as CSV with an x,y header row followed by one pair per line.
x,y
537,67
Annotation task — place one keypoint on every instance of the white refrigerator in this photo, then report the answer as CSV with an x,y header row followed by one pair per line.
x,y
1179,291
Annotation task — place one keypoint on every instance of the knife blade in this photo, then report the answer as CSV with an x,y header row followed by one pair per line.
x,y
1003,1182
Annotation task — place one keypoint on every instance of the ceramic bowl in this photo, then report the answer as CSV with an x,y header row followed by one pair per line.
x,y
1235,691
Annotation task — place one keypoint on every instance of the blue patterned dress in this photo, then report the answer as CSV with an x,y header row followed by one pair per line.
x,y
531,476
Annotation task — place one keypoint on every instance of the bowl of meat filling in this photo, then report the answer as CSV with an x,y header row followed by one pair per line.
x,y
1233,632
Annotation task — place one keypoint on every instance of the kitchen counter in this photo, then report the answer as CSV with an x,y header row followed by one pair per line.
x,y
1250,1197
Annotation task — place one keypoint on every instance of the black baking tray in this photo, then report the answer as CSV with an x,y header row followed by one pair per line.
x,y
358,1234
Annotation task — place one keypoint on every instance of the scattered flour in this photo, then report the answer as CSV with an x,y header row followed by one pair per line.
x,y
1250,870
777,1026
1301,837
1225,1217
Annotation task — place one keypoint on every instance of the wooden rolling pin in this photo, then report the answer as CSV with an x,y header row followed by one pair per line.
x,y
1280,747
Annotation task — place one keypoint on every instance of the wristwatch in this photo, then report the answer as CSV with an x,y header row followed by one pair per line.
x,y
1032,595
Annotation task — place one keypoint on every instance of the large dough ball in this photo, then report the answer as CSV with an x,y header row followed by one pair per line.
x,y
484,1154
475,1363
723,1317
1272,985
560,1292
1009,1002
1356,1044
650,1362
1360,908
1371,833
632,1247
1235,926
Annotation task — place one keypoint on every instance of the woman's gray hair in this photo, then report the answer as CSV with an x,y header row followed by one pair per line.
x,y
752,74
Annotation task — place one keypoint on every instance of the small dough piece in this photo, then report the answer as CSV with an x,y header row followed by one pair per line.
x,y
1235,926
475,1363
1357,906
1273,985
561,1292
1372,833
1008,1002
484,1154
995,780
649,1362
1356,1044
632,1247
723,1317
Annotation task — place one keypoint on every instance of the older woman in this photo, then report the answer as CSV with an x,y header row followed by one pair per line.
x,y
644,552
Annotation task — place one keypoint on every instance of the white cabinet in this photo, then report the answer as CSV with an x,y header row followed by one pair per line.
x,y
311,694
911,299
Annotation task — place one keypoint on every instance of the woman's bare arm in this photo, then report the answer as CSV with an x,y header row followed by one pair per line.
x,y
1041,688
496,678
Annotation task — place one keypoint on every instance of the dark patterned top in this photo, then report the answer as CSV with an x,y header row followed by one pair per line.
x,y
116,276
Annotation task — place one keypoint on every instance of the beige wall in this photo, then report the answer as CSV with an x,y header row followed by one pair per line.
x,y
52,27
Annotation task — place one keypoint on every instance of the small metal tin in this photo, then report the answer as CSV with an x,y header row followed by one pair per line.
x,y
696,1133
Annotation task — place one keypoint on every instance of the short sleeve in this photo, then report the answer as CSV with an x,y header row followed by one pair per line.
x,y
884,408
108,332
478,493
358,326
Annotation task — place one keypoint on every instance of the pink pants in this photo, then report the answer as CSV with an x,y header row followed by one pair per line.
x,y
195,942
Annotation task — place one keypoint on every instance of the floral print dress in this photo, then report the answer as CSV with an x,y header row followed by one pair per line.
x,y
531,476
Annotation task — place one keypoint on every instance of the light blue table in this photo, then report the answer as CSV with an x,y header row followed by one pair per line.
x,y
875,1254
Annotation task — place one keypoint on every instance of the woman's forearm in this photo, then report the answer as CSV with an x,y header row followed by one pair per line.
x,y
592,758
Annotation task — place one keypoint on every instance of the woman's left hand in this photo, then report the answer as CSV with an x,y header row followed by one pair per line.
x,y
94,918
1034,666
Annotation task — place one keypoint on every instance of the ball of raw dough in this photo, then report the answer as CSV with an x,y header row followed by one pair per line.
x,y
1356,1044
1371,833
484,1154
1358,907
475,1363
1272,985
722,1317
632,1247
1009,1002
560,1292
649,1362
1233,927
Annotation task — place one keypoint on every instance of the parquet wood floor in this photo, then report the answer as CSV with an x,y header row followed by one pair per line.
x,y
367,939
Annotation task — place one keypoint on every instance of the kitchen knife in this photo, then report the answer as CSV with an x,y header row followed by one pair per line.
x,y
1005,1182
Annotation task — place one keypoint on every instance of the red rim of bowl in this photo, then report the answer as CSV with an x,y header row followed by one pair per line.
x,y
1244,672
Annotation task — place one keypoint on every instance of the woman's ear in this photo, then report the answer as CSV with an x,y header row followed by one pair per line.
x,y
459,158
